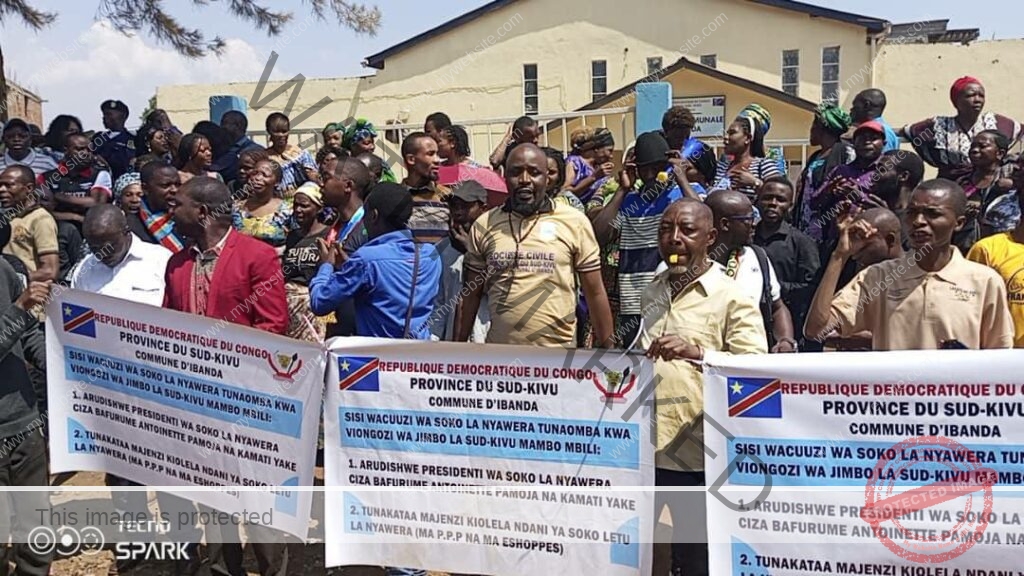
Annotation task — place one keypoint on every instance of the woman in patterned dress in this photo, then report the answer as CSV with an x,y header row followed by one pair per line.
x,y
264,215
945,141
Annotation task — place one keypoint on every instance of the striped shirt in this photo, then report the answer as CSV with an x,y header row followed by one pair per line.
x,y
762,168
35,160
637,222
430,214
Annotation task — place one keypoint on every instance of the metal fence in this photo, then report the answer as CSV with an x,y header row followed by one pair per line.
x,y
484,136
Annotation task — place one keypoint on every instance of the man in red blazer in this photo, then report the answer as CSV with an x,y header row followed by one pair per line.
x,y
223,274
229,276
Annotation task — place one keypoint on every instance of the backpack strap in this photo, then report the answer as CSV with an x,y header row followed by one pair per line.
x,y
412,293
766,294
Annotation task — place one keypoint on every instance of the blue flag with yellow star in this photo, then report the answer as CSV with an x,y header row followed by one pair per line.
x,y
358,373
78,320
755,397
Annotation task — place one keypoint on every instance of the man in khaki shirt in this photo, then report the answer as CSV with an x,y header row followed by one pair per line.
x,y
928,299
527,255
691,308
33,229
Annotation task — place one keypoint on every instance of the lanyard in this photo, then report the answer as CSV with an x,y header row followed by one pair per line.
x,y
352,223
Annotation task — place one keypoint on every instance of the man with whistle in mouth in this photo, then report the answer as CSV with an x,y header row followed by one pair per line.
x,y
691,311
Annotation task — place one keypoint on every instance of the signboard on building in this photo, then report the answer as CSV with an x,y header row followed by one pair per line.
x,y
709,112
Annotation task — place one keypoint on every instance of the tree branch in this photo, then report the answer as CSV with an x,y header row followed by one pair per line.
x,y
358,17
33,18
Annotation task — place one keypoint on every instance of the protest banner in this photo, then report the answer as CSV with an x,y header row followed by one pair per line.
x,y
170,399
866,463
543,434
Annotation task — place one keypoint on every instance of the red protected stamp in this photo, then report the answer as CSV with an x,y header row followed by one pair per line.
x,y
920,473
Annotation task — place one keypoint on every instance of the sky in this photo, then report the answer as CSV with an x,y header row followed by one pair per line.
x,y
80,61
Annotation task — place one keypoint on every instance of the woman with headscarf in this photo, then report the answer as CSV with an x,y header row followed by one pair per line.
x,y
333,134
300,261
829,124
297,165
590,170
194,157
945,141
743,166
361,138
128,193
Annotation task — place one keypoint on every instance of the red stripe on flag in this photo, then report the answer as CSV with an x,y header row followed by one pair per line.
x,y
76,322
358,374
755,398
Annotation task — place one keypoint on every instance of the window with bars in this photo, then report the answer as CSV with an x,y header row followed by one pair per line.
x,y
598,79
709,60
531,98
654,64
791,72
830,74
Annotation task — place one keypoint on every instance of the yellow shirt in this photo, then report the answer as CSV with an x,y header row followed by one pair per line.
x,y
531,265
1006,256
714,313
907,308
33,235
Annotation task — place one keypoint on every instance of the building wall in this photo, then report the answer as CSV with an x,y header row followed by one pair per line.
x,y
24,105
475,71
747,38
789,122
916,77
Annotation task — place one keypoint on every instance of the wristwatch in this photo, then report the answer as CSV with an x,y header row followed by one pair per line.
x,y
791,342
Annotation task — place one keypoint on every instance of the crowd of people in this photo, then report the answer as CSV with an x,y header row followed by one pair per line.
x,y
672,251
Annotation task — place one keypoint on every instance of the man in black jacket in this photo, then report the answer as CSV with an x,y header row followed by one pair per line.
x,y
22,447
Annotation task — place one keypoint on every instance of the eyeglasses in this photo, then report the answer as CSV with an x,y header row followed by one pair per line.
x,y
753,219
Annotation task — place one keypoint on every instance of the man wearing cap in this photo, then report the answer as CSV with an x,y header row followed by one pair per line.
x,y
467,203
632,217
118,147
853,183
392,279
17,140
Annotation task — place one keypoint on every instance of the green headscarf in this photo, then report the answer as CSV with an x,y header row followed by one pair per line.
x,y
332,128
760,115
362,129
836,120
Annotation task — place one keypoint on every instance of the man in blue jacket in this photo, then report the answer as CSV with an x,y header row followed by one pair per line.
x,y
392,279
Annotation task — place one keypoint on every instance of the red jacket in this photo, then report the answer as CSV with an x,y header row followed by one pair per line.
x,y
247,286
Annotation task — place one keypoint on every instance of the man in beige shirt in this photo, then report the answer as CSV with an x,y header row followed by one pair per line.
x,y
928,299
527,255
33,229
691,308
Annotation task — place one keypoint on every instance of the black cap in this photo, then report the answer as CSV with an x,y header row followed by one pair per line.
x,y
114,105
15,123
470,191
651,148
